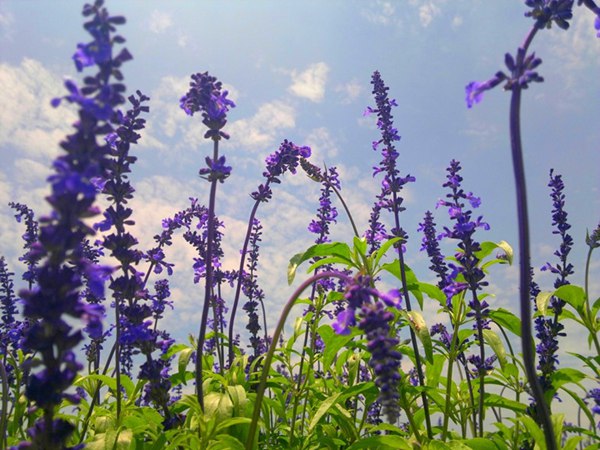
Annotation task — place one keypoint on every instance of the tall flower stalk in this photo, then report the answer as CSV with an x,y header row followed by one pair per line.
x,y
62,233
389,199
286,158
207,97
522,72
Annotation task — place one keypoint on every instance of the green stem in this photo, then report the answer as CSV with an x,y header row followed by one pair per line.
x,y
260,392
3,412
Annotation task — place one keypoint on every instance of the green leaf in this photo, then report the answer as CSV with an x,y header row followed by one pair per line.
x,y
417,323
481,444
506,319
534,430
573,295
542,300
495,343
338,249
432,291
374,442
360,245
325,261
225,442
123,441
496,400
333,342
323,408
412,283
218,405
184,359
566,375
383,249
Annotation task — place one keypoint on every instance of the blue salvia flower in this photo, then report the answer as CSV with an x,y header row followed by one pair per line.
x,y
286,158
559,220
392,182
73,193
31,256
207,97
368,305
385,358
10,328
326,214
594,395
376,232
521,69
544,12
463,229
431,245
251,289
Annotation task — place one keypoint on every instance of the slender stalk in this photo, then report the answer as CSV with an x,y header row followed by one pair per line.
x,y
260,391
118,353
209,276
238,288
588,311
524,263
301,368
413,336
3,412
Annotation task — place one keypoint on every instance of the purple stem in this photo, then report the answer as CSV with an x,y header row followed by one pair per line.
x,y
527,344
208,286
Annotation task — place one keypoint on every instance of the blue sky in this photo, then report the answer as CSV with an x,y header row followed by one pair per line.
x,y
301,71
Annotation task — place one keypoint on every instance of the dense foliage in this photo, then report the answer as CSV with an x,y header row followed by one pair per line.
x,y
363,368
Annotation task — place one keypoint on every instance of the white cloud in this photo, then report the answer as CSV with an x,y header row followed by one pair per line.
x,y
427,12
310,83
350,91
183,40
380,13
262,129
7,21
159,21
29,122
457,21
322,145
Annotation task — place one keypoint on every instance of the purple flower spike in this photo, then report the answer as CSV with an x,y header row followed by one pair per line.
x,y
544,12
205,96
474,90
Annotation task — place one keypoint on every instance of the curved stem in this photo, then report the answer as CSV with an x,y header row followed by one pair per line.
x,y
208,285
524,263
339,196
260,392
238,288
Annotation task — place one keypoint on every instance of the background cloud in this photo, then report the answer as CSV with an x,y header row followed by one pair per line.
x,y
310,83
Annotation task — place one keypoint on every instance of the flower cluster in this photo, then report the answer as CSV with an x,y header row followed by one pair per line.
x,y
431,245
326,214
9,328
30,257
252,291
559,220
471,276
392,182
544,12
62,233
521,72
207,97
375,320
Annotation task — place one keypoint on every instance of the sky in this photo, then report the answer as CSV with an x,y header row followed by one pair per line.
x,y
301,71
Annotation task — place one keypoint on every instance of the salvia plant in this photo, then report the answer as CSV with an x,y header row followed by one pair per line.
x,y
86,362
